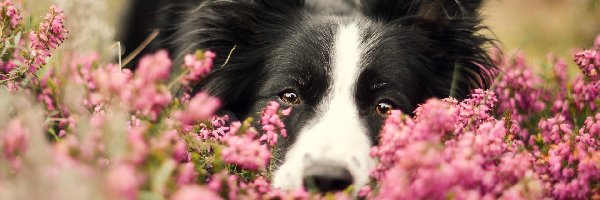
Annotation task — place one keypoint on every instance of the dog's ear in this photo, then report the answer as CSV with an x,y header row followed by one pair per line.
x,y
432,10
449,32
239,32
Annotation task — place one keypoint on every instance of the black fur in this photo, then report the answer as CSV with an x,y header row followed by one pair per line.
x,y
415,50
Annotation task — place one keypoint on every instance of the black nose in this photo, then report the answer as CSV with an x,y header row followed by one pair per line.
x,y
326,177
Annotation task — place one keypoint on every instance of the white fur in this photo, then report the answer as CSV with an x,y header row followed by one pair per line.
x,y
336,134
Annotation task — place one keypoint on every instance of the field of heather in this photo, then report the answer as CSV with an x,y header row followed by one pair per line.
x,y
74,124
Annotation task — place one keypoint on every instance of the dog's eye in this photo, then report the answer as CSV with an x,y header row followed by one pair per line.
x,y
384,107
290,98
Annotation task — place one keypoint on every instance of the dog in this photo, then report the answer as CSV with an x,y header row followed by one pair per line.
x,y
342,65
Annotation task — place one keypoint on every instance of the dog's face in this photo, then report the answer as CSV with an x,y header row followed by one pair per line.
x,y
341,74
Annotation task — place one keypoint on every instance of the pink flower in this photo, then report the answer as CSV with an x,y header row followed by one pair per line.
x,y
49,35
139,149
364,192
585,94
589,63
187,174
151,100
217,129
154,68
180,151
11,13
271,123
591,125
441,116
518,89
194,192
223,183
554,129
245,151
144,93
199,65
105,84
200,108
123,182
14,142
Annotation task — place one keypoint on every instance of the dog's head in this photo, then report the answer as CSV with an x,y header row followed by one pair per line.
x,y
342,74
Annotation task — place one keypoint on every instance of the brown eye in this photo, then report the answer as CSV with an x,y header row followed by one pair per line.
x,y
290,98
384,107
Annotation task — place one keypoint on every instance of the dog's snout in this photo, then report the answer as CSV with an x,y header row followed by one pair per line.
x,y
327,177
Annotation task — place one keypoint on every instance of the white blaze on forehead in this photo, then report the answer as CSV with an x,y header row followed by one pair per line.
x,y
336,134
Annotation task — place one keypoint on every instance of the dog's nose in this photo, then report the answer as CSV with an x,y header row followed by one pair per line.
x,y
326,177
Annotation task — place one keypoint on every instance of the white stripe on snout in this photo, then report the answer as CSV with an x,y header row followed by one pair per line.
x,y
336,134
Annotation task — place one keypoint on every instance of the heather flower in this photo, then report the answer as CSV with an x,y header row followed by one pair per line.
x,y
476,109
222,183
150,101
585,94
139,149
245,151
154,68
589,134
518,91
416,161
589,63
123,182
554,130
81,68
106,82
399,131
194,192
528,188
187,174
216,129
200,108
561,104
145,94
180,152
440,115
198,64
10,13
271,123
14,142
49,35
364,192
261,185
560,71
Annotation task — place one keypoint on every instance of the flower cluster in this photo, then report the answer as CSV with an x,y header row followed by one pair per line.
x,y
244,150
518,89
200,109
25,55
14,142
198,65
271,123
427,158
481,147
10,14
589,61
49,35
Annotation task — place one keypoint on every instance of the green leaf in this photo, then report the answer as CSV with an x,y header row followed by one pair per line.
x,y
149,195
18,38
161,177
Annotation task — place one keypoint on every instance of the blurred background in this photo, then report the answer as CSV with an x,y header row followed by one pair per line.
x,y
535,27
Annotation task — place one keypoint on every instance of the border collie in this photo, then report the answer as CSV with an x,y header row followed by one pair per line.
x,y
341,64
